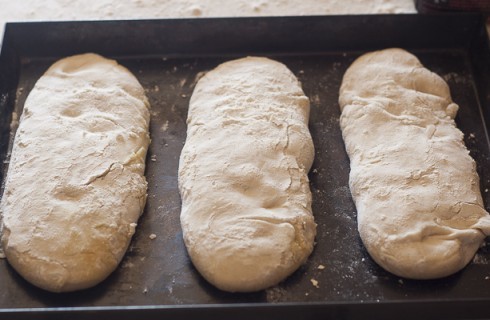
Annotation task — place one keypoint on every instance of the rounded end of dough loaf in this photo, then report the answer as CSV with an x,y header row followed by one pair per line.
x,y
80,272
423,257
252,255
396,73
70,267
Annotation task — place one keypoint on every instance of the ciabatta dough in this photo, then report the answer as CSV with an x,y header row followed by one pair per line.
x,y
246,203
420,210
75,186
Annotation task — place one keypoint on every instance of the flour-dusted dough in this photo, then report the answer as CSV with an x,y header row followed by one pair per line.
x,y
75,186
246,203
420,211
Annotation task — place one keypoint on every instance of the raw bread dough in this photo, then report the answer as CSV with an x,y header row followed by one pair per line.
x,y
246,203
75,186
420,210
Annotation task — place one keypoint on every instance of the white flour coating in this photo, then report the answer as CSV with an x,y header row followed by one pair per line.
x,y
30,10
420,211
246,203
138,9
75,186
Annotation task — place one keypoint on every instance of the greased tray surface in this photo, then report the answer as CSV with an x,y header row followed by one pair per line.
x,y
156,277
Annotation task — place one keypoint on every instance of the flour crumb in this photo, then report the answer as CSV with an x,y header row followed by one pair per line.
x,y
400,281
153,158
275,294
314,283
145,291
152,236
487,278
321,267
183,95
156,88
164,126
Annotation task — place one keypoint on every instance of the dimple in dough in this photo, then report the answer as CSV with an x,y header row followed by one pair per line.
x,y
416,189
75,186
246,204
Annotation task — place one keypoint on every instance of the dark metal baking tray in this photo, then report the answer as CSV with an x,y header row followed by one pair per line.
x,y
156,278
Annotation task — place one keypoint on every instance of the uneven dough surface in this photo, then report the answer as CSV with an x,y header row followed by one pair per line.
x,y
75,186
246,203
416,189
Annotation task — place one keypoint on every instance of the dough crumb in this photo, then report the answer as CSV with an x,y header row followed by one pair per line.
x,y
145,291
152,236
314,283
156,88
153,158
487,278
321,267
400,281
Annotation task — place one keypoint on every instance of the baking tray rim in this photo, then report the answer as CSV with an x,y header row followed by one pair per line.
x,y
267,305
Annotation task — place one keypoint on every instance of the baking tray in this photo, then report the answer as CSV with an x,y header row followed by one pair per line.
x,y
156,278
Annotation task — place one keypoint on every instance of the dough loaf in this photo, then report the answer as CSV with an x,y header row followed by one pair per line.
x,y
420,210
246,203
75,186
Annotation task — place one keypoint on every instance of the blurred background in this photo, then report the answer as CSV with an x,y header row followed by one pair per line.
x,y
32,10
